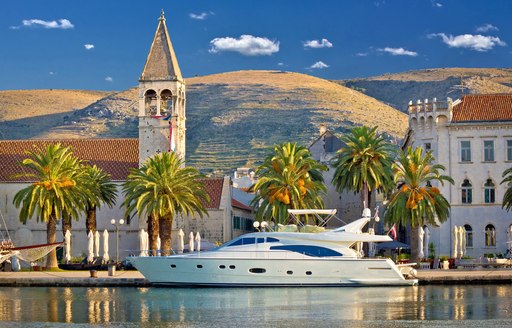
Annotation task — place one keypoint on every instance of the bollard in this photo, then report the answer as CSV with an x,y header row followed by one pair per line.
x,y
111,270
94,273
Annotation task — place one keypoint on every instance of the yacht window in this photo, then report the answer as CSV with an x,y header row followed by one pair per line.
x,y
173,266
272,240
257,270
289,272
222,266
231,266
261,240
309,250
199,266
308,273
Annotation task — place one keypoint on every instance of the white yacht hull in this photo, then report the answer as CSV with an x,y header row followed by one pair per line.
x,y
233,271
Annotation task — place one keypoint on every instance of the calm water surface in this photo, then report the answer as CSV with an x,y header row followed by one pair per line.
x,y
425,306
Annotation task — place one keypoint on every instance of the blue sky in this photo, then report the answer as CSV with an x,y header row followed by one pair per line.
x,y
102,45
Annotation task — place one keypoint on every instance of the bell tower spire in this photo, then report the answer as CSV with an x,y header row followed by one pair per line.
x,y
161,99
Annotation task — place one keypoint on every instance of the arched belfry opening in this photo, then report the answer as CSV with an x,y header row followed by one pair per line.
x,y
162,99
166,102
150,102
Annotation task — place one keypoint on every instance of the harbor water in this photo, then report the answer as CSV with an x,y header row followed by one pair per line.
x,y
423,306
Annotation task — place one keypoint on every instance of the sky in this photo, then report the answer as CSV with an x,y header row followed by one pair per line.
x,y
103,45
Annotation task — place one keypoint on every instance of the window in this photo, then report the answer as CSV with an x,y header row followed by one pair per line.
x,y
465,151
236,222
489,192
488,150
490,235
509,150
315,251
247,241
428,146
467,192
469,235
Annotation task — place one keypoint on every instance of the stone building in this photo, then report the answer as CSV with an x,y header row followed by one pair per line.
x,y
162,116
472,138
349,205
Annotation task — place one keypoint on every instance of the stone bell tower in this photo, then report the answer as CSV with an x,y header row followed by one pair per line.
x,y
161,99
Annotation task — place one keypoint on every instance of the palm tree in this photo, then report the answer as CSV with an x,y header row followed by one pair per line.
x,y
415,202
507,198
105,191
364,164
54,190
289,178
162,188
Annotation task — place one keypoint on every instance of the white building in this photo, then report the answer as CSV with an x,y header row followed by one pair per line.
x,y
472,138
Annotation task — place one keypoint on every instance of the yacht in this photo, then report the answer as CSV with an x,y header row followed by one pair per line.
x,y
281,258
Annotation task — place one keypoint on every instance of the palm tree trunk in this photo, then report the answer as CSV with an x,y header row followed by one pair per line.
x,y
365,193
66,223
90,220
414,244
153,230
51,237
165,234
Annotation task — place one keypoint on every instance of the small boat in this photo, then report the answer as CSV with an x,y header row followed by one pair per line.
x,y
280,258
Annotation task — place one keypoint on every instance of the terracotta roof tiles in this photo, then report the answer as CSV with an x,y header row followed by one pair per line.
x,y
483,107
214,188
114,156
240,205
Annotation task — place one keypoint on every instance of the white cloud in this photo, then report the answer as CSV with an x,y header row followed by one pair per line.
x,y
361,54
109,79
247,45
89,46
280,64
324,43
200,16
51,73
318,65
62,24
475,42
399,52
486,28
436,4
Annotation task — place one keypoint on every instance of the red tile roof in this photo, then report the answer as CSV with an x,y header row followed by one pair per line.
x,y
214,188
483,107
114,156
240,205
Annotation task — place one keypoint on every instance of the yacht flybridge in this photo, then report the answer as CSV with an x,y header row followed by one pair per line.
x,y
283,256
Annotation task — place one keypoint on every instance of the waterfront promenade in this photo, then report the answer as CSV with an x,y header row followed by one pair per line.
x,y
135,279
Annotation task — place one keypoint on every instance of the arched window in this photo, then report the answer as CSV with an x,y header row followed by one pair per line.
x,y
165,102
467,192
469,235
489,192
490,235
150,102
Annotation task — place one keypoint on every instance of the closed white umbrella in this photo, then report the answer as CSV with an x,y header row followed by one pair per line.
x,y
90,247
191,242
421,233
146,243
97,244
464,241
461,241
455,240
181,241
158,245
67,239
106,257
142,243
426,242
198,241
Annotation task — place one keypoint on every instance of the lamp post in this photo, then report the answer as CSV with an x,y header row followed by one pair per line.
x,y
117,224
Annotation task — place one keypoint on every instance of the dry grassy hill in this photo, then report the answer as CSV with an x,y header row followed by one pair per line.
x,y
232,118
397,89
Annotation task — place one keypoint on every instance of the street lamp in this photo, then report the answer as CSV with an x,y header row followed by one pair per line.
x,y
117,224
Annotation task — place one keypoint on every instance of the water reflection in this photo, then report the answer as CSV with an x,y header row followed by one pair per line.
x,y
241,307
